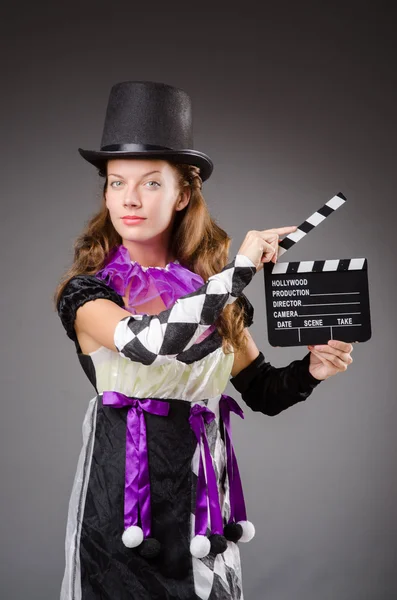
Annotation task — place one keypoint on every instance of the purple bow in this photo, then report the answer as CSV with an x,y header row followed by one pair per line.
x,y
237,503
207,491
137,483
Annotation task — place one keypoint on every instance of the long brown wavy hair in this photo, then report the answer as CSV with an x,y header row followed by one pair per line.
x,y
197,242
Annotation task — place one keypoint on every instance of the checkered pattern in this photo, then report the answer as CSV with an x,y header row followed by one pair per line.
x,y
321,266
157,339
215,576
316,218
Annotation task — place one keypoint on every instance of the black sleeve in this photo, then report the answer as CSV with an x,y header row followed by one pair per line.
x,y
79,290
270,390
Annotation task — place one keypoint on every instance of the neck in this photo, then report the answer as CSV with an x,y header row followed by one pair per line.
x,y
148,256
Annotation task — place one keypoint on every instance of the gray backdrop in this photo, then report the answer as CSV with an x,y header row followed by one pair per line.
x,y
293,105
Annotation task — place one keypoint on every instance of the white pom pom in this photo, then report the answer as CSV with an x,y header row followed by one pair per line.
x,y
132,536
248,531
200,546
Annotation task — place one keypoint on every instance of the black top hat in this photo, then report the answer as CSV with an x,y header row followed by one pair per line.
x,y
148,119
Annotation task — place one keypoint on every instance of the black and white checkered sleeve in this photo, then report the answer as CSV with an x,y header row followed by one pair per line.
x,y
157,339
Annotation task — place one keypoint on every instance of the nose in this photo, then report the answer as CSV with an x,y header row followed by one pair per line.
x,y
132,198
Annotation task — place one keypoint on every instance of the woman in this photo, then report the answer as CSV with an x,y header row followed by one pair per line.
x,y
160,323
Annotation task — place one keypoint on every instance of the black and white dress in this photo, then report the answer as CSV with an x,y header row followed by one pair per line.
x,y
158,358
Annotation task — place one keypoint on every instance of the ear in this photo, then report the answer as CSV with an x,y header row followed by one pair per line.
x,y
183,200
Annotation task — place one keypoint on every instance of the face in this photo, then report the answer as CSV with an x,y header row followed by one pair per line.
x,y
144,188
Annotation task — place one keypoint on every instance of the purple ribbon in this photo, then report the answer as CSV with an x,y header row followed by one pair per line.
x,y
237,503
137,482
207,491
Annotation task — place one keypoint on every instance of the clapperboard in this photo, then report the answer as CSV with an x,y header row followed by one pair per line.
x,y
313,301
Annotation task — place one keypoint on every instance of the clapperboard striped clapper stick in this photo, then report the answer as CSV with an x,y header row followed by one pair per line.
x,y
313,301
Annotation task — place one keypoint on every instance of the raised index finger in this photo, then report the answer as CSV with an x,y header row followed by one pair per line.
x,y
282,230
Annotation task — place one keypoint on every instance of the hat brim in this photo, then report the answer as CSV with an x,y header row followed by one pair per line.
x,y
188,157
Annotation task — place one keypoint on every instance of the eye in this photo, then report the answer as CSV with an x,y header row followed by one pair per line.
x,y
111,185
156,182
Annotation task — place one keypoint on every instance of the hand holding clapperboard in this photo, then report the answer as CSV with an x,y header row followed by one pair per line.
x,y
311,302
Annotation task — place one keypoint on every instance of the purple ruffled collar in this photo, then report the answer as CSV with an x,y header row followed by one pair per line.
x,y
169,282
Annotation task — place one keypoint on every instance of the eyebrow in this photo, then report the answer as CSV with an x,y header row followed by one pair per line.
x,y
144,175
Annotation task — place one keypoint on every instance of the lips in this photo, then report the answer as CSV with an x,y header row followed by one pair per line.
x,y
133,218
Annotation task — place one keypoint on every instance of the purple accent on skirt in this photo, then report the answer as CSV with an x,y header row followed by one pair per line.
x,y
237,503
170,282
137,483
207,491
